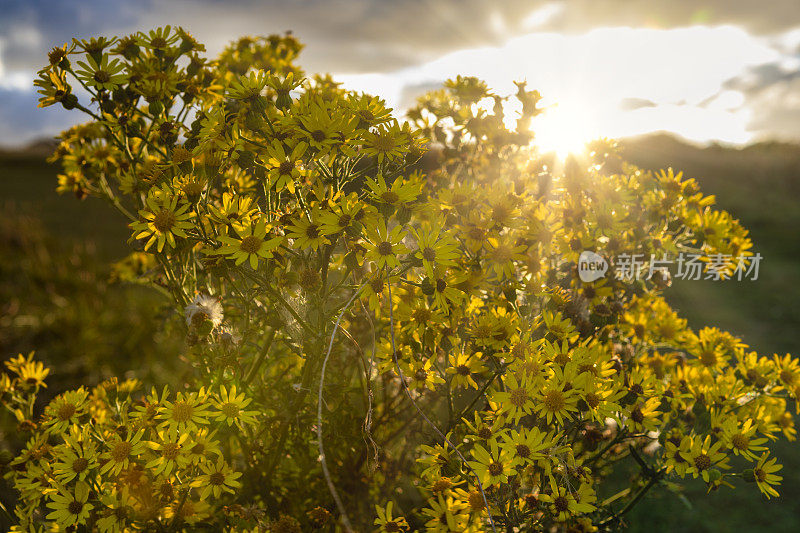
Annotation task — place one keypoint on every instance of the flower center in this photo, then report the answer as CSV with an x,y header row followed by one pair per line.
x,y
101,76
312,231
740,442
75,507
121,451
592,400
251,244
66,411
519,397
523,450
385,248
164,220
286,168
182,412
708,358
428,253
230,410
217,478
79,465
390,197
318,135
384,142
554,400
496,468
170,451
561,504
702,462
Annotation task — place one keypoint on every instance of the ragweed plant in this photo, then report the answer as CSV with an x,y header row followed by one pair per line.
x,y
385,323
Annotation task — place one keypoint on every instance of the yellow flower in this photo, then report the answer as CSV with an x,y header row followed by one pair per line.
x,y
703,456
31,373
186,413
120,452
230,406
741,439
285,163
384,245
307,232
251,245
66,410
387,522
445,515
70,508
216,478
517,399
170,450
163,220
102,75
765,476
492,466
463,367
435,248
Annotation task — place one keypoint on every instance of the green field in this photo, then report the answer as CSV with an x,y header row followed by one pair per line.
x,y
760,185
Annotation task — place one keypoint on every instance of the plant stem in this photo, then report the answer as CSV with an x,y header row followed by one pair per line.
x,y
260,358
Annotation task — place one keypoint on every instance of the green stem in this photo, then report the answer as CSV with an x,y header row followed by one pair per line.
x,y
260,358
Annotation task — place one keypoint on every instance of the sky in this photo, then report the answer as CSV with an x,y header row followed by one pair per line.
x,y
707,70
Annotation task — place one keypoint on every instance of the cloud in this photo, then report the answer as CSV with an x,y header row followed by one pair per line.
x,y
21,122
630,104
400,48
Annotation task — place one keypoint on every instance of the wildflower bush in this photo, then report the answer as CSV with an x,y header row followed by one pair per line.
x,y
385,327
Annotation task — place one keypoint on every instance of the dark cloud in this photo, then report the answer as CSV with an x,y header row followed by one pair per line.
x,y
21,122
365,35
351,36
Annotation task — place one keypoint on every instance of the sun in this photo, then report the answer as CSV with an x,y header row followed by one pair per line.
x,y
564,128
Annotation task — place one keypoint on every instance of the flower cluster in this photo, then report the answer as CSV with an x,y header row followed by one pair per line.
x,y
112,458
399,302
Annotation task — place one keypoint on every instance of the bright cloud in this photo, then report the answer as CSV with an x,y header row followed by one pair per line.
x,y
681,73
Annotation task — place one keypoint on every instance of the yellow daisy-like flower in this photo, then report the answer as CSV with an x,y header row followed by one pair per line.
x,y
70,508
31,373
517,400
446,515
285,165
163,220
492,466
386,142
307,233
251,245
75,460
564,504
230,406
464,367
554,402
765,476
186,413
435,248
384,245
703,456
216,478
65,410
170,450
742,439
387,522
121,452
